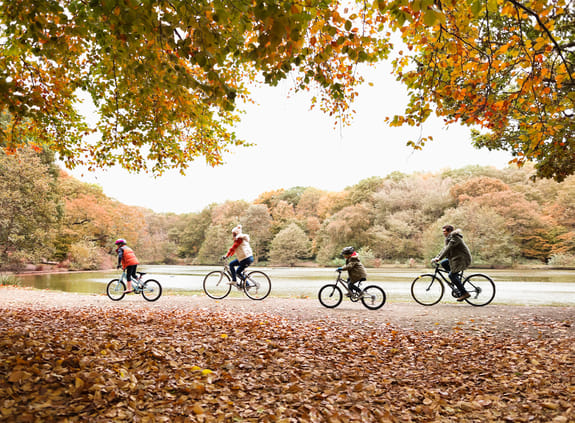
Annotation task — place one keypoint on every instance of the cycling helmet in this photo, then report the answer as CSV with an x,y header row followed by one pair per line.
x,y
120,241
347,251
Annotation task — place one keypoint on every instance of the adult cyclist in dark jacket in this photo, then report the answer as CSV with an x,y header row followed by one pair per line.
x,y
455,258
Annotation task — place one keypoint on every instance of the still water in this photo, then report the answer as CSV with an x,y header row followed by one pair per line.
x,y
530,287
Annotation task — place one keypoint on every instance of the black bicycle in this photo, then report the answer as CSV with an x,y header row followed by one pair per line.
x,y
150,289
428,289
330,295
218,284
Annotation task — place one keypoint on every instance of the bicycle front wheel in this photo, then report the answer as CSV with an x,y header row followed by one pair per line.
x,y
481,288
330,296
373,297
217,285
115,289
427,290
257,285
151,290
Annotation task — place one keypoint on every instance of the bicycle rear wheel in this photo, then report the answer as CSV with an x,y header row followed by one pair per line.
x,y
330,296
481,288
151,290
217,285
257,285
373,297
427,290
115,289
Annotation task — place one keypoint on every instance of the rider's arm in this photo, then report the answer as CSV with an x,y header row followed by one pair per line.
x,y
120,255
450,244
233,248
349,266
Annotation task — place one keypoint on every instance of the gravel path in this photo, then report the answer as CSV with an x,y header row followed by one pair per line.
x,y
517,321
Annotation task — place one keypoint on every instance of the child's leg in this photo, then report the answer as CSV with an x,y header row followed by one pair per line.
x,y
130,273
354,286
351,286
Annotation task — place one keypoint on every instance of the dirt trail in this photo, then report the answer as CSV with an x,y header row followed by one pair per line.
x,y
515,321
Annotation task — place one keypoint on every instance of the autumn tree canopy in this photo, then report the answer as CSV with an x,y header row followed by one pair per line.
x,y
166,77
503,66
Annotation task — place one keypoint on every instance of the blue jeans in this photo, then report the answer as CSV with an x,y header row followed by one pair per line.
x,y
241,265
455,277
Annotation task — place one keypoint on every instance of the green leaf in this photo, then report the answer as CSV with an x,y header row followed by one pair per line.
x,y
430,17
492,6
476,7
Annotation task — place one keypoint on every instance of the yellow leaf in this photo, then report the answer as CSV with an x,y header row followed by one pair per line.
x,y
198,409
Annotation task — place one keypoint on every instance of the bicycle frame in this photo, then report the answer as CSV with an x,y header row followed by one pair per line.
x,y
343,282
443,275
330,295
218,283
428,289
137,283
151,289
227,271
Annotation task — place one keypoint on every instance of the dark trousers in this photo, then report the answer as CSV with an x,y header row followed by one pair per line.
x,y
131,272
455,277
353,285
241,266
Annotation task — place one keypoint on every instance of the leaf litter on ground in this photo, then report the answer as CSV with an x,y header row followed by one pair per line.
x,y
146,365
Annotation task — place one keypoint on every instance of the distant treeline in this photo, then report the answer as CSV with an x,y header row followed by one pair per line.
x,y
47,216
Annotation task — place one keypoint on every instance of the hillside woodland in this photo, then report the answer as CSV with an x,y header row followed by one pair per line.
x,y
49,218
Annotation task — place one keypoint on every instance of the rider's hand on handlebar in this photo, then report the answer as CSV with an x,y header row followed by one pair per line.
x,y
339,269
224,257
434,260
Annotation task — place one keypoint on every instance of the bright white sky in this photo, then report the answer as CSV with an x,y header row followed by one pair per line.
x,y
299,147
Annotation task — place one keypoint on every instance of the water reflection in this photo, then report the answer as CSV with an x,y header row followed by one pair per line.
x,y
537,287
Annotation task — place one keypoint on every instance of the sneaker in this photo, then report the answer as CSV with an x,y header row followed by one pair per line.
x,y
464,296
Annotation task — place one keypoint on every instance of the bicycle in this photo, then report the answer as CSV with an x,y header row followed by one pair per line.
x,y
218,283
428,289
330,295
150,289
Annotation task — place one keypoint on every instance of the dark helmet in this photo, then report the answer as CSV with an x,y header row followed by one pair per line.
x,y
347,251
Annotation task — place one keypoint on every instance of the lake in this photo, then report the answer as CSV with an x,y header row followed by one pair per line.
x,y
525,286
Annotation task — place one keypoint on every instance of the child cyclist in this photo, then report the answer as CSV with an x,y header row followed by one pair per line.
x,y
128,261
354,268
244,255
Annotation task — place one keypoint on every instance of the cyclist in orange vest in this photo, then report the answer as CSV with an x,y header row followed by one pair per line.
x,y
128,261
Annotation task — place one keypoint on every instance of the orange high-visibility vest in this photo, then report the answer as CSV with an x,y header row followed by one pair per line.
x,y
129,257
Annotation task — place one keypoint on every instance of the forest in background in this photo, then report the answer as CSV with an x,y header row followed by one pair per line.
x,y
50,219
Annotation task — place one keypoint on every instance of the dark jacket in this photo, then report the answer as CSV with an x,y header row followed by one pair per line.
x,y
354,268
456,251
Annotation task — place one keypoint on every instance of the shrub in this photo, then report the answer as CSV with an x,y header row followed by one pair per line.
x,y
86,255
565,260
9,280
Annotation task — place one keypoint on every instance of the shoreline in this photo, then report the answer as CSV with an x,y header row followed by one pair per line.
x,y
302,265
